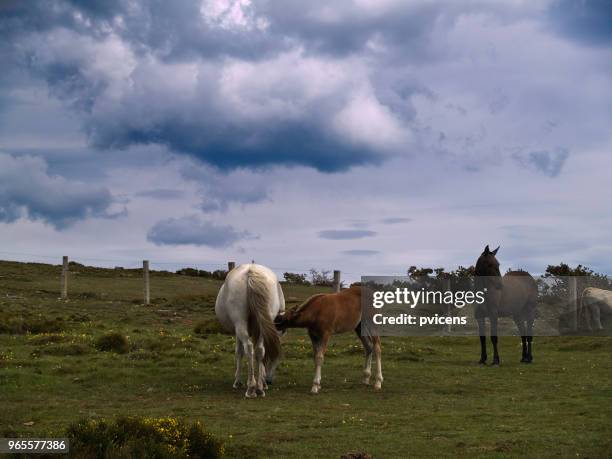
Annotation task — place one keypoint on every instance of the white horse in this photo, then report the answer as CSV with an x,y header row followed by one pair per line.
x,y
249,300
595,303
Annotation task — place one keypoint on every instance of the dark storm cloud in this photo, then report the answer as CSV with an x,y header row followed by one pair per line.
x,y
346,234
28,191
344,28
263,83
192,230
116,64
587,21
170,30
229,146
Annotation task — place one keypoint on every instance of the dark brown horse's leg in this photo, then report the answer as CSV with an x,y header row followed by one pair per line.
x,y
520,324
483,340
525,353
530,319
493,320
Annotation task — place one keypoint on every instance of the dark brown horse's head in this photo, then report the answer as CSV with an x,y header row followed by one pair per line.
x,y
487,264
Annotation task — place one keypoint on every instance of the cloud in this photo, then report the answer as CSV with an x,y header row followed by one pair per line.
x,y
360,252
218,189
161,193
587,21
548,163
192,230
27,190
288,109
346,234
396,220
251,84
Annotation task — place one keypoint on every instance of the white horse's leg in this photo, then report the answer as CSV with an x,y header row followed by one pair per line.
x,y
239,354
367,367
318,348
377,351
247,346
596,315
260,352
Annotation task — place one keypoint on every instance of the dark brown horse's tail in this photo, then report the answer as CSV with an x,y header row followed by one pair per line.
x,y
260,323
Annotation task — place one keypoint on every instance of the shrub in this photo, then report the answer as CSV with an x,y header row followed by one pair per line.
x,y
294,278
321,278
218,274
113,342
136,437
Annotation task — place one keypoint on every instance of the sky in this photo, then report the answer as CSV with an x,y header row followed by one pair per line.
x,y
360,135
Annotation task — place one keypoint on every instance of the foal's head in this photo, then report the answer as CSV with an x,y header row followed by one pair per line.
x,y
285,320
487,264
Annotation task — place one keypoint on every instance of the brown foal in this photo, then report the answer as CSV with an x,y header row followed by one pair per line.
x,y
329,314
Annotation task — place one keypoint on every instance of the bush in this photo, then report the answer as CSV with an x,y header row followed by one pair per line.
x,y
136,437
113,342
321,278
294,278
218,274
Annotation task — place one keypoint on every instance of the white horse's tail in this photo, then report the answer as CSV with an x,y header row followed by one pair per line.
x,y
260,323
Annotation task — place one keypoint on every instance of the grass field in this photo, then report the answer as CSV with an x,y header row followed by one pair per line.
x,y
435,401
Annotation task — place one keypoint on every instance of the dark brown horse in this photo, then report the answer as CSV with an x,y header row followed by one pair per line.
x,y
513,295
324,315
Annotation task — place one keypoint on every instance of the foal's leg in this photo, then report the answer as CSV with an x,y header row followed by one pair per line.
x,y
238,355
378,351
493,320
483,340
319,345
368,348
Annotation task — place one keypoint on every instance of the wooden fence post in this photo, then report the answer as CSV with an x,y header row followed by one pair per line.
x,y
145,275
446,286
64,277
572,289
336,281
230,265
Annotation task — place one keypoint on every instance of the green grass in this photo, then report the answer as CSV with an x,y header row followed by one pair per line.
x,y
435,401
